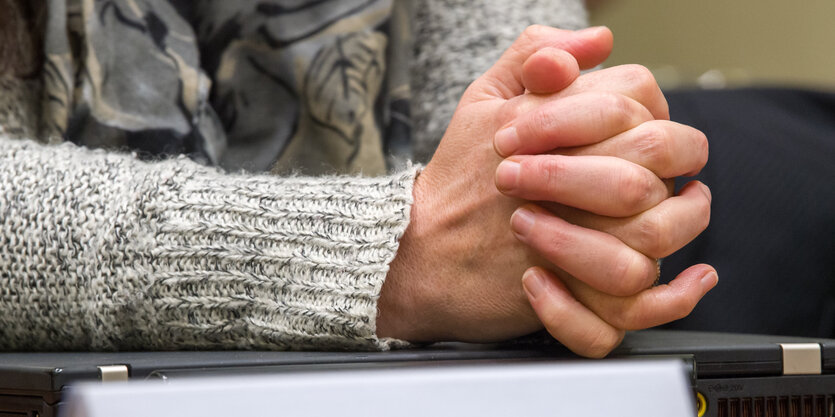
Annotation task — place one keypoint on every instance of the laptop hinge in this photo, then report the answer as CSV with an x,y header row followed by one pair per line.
x,y
113,373
801,358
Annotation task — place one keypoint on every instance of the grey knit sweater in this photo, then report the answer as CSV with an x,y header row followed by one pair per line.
x,y
102,251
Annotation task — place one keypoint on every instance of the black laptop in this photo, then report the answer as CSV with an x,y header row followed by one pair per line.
x,y
733,375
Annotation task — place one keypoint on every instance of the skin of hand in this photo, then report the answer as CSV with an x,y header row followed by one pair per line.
x,y
456,275
653,150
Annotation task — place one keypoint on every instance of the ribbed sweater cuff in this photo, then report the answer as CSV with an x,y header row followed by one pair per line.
x,y
102,251
267,262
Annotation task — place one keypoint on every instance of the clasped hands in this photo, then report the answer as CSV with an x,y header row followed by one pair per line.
x,y
582,165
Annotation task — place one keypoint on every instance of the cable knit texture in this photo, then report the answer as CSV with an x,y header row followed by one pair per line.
x,y
104,251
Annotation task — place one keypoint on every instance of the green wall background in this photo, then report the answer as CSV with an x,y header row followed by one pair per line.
x,y
747,41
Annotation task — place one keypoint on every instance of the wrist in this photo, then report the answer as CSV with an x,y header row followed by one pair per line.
x,y
403,311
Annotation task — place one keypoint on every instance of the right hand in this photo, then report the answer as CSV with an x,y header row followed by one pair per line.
x,y
635,128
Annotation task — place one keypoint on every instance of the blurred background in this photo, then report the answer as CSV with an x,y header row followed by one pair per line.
x,y
772,231
716,43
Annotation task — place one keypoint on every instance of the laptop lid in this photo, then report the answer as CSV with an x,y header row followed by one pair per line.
x,y
717,360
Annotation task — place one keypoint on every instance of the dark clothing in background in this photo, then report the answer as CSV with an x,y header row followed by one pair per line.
x,y
772,230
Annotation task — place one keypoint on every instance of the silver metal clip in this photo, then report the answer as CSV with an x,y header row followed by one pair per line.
x,y
801,358
113,373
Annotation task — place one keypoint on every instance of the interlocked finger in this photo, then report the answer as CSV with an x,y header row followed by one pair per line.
x,y
603,185
668,149
652,307
576,120
657,232
598,259
567,320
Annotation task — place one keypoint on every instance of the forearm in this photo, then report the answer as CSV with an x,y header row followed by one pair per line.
x,y
104,251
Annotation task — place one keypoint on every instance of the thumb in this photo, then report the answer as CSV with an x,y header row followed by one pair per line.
x,y
549,71
590,47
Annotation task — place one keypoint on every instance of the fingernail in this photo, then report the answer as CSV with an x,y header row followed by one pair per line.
x,y
591,29
507,175
522,221
533,283
709,281
506,141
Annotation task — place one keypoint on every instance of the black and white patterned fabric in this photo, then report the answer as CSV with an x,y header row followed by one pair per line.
x,y
262,85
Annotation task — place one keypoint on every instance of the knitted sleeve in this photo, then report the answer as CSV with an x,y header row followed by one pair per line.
x,y
102,251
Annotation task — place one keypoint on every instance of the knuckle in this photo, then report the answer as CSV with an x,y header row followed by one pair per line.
x,y
554,242
631,316
541,122
549,170
681,307
628,275
637,315
639,73
510,110
530,35
646,89
601,343
636,190
551,318
664,106
704,213
617,111
534,31
641,77
703,148
653,144
677,308
655,237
